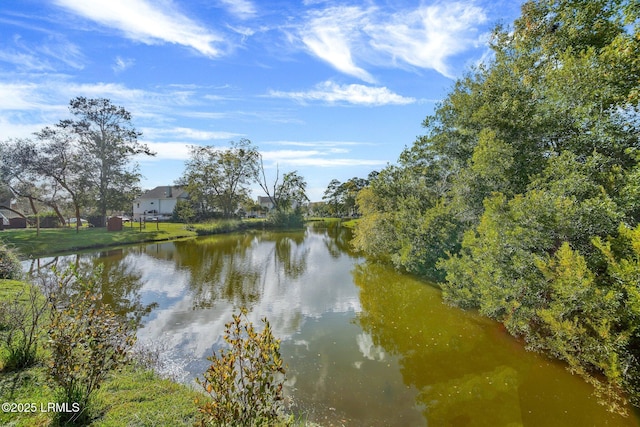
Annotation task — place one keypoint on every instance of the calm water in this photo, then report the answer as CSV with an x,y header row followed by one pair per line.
x,y
364,345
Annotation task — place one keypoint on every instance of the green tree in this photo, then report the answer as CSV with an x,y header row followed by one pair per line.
x,y
529,163
332,197
219,178
107,142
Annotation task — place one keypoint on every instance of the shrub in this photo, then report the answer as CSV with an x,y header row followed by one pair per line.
x,y
87,341
10,267
285,219
20,327
244,381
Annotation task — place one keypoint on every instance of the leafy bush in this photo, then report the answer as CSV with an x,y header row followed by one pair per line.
x,y
10,267
285,219
87,341
244,381
20,327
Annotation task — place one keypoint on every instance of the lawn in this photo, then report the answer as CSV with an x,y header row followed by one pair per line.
x,y
59,240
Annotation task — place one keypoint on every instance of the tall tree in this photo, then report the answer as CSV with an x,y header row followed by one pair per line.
x,y
107,141
284,194
219,178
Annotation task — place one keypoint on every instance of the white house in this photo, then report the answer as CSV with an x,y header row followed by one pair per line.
x,y
265,202
158,203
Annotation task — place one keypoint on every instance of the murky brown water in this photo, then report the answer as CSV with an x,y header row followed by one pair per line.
x,y
365,345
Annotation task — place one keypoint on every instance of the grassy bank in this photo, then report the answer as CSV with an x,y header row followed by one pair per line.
x,y
132,397
59,240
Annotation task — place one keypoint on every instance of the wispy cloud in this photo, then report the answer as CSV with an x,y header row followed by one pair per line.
x,y
315,158
350,37
428,36
122,64
188,133
243,9
42,56
331,35
332,92
322,144
148,22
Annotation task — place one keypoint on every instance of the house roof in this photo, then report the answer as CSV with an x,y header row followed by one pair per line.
x,y
164,192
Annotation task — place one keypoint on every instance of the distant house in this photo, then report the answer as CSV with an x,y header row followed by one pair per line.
x,y
266,202
158,203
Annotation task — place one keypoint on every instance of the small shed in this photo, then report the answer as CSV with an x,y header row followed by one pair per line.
x,y
114,224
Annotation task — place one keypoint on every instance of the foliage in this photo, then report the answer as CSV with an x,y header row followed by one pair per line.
x,y
21,328
10,267
218,178
341,197
245,380
20,172
183,212
288,219
100,338
527,166
107,141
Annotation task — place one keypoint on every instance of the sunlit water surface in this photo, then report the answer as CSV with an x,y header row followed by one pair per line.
x,y
364,345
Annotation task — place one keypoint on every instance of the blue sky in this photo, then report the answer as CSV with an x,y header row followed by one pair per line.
x,y
332,89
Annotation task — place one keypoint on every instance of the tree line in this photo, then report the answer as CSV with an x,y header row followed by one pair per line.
x,y
219,181
86,164
522,198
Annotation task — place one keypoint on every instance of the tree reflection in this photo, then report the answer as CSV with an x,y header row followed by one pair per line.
x,y
440,351
233,268
120,283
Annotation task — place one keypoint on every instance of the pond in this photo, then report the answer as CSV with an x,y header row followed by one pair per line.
x,y
363,344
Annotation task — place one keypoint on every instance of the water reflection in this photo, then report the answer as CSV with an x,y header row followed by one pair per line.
x,y
466,369
364,345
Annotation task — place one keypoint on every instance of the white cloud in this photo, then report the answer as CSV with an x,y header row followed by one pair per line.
x,y
166,151
428,36
147,22
425,37
332,92
243,9
330,34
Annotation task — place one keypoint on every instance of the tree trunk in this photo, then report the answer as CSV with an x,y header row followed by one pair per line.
x,y
78,220
57,211
35,213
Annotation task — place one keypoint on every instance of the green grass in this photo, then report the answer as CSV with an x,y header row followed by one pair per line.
x,y
129,398
350,223
59,240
